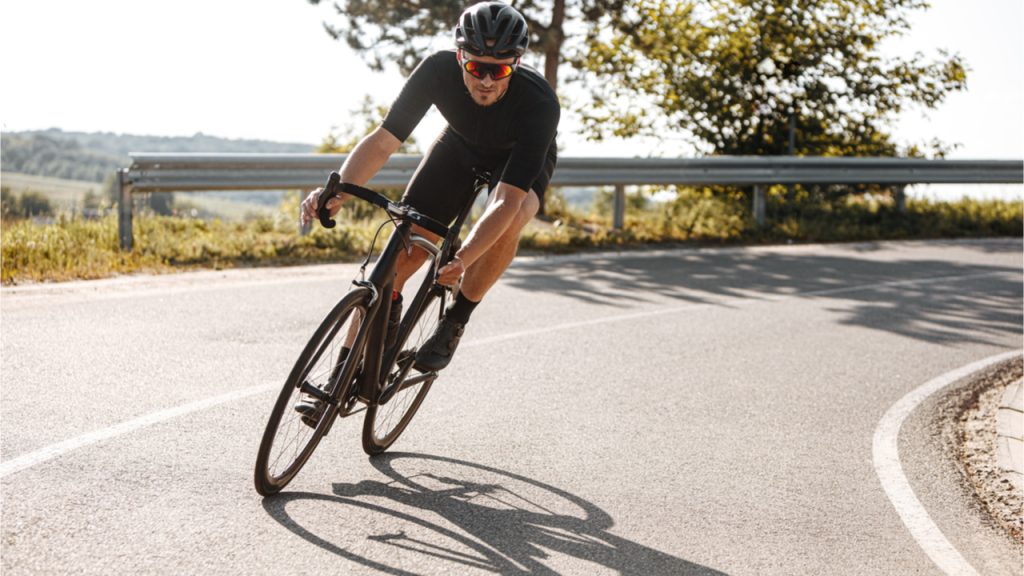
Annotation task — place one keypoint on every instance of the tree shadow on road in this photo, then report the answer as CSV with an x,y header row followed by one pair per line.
x,y
467,515
926,299
981,245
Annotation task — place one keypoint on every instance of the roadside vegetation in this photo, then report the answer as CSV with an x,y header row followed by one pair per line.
x,y
69,246
706,216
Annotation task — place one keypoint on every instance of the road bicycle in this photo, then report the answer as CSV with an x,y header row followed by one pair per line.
x,y
347,366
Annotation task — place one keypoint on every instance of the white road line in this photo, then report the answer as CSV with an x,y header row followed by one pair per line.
x,y
60,448
890,472
54,450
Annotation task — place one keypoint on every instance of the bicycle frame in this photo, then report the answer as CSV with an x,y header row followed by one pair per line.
x,y
358,367
370,381
381,284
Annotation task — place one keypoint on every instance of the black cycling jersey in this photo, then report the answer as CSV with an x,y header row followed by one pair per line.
x,y
518,129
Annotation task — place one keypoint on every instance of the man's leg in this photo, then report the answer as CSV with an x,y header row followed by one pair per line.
x,y
408,263
440,187
437,351
485,272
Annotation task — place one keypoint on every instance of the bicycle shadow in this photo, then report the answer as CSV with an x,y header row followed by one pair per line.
x,y
495,521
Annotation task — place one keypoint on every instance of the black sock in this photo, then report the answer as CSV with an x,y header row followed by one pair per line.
x,y
460,310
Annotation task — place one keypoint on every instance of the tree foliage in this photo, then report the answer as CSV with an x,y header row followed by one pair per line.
x,y
366,119
739,76
93,156
403,31
48,154
736,73
344,139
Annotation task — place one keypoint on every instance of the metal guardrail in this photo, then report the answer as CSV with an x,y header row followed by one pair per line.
x,y
192,172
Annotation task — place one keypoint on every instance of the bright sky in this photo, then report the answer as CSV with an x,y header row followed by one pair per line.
x,y
267,69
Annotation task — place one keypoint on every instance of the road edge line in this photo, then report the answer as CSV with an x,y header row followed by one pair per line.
x,y
886,459
52,451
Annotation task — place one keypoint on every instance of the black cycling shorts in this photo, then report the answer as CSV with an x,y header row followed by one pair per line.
x,y
443,182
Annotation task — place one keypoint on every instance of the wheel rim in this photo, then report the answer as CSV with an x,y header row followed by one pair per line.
x,y
391,417
293,439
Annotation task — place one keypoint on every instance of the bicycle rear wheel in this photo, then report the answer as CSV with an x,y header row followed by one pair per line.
x,y
324,371
405,386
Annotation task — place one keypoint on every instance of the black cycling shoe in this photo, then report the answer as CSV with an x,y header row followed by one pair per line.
x,y
310,410
438,350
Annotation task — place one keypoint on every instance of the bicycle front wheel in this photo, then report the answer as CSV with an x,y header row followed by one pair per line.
x,y
405,387
312,395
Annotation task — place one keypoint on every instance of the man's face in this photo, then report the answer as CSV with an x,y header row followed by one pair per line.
x,y
484,91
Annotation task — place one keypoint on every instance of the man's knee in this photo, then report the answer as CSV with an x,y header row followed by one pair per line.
x,y
528,209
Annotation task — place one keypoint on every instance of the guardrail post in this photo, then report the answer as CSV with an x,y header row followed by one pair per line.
x,y
619,207
124,211
900,197
759,205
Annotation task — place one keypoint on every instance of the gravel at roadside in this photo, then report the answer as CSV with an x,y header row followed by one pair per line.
x,y
978,446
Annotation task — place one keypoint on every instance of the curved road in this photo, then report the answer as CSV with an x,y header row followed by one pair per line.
x,y
671,412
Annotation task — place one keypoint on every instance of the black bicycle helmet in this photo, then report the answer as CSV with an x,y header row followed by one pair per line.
x,y
492,29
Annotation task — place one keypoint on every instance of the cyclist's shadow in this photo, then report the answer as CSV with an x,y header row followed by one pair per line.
x,y
497,521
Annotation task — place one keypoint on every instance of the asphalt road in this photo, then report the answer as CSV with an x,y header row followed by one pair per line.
x,y
671,412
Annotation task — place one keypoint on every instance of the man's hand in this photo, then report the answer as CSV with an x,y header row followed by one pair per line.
x,y
451,273
307,212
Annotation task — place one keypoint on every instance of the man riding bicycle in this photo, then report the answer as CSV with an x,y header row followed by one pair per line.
x,y
502,117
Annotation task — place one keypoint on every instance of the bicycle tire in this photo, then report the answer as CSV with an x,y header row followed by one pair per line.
x,y
385,422
286,435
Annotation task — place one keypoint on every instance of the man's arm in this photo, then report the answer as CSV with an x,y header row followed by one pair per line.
x,y
362,164
500,214
508,200
369,156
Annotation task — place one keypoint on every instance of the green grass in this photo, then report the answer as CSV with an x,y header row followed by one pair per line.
x,y
72,248
222,206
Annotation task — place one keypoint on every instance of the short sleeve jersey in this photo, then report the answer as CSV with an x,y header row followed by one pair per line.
x,y
520,126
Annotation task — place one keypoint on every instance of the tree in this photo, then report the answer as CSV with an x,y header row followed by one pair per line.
x,y
402,31
367,118
742,76
340,140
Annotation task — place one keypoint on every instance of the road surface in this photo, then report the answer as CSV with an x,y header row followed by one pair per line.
x,y
671,412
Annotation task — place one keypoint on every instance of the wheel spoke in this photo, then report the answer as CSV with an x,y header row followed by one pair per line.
x,y
386,421
289,440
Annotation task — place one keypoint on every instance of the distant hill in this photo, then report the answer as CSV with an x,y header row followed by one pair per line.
x,y
92,156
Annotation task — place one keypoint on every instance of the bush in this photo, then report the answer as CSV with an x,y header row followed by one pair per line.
x,y
29,204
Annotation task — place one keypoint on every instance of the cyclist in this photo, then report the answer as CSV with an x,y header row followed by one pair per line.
x,y
502,116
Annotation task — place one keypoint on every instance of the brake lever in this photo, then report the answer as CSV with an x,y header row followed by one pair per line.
x,y
457,286
329,191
